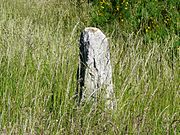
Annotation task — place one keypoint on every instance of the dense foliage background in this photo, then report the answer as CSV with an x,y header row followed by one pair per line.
x,y
39,51
156,16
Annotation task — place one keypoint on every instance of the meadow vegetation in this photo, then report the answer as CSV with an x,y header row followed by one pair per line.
x,y
39,52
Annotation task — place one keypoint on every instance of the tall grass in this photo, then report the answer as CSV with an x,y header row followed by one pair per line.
x,y
38,63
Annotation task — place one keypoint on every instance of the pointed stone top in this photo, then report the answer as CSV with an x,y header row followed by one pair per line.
x,y
94,33
92,29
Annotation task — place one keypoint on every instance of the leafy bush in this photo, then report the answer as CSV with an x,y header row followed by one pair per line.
x,y
155,19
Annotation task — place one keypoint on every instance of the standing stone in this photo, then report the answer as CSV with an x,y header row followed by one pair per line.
x,y
95,71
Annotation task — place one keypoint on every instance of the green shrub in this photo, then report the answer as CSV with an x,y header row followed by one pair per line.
x,y
153,19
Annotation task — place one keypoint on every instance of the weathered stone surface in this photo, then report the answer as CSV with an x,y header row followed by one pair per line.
x,y
95,71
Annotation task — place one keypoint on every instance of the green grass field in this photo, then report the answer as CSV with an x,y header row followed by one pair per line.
x,y
39,43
